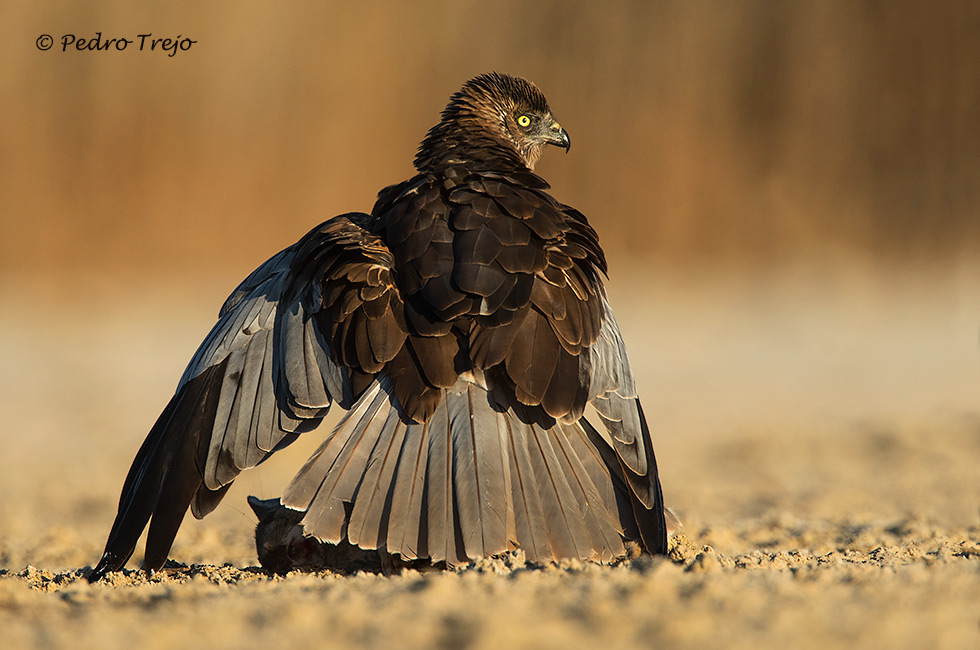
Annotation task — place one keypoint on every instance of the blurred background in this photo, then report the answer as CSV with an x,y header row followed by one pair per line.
x,y
788,194
707,134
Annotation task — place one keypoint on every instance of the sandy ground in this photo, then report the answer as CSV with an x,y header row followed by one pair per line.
x,y
822,451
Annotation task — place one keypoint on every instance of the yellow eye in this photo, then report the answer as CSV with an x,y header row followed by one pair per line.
x,y
524,121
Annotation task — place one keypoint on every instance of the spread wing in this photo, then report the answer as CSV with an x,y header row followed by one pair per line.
x,y
263,376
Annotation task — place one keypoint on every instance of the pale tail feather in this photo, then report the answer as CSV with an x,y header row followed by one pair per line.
x,y
470,482
326,481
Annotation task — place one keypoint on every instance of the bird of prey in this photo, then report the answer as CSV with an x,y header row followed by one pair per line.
x,y
464,327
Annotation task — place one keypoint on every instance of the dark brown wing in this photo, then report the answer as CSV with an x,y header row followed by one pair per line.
x,y
263,375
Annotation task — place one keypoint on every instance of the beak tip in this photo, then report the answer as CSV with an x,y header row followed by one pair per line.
x,y
559,137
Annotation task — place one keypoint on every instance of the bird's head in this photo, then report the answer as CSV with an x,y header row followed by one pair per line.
x,y
491,111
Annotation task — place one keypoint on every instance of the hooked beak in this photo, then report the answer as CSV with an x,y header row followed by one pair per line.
x,y
559,137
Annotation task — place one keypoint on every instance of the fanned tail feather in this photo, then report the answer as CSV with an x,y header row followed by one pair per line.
x,y
472,481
